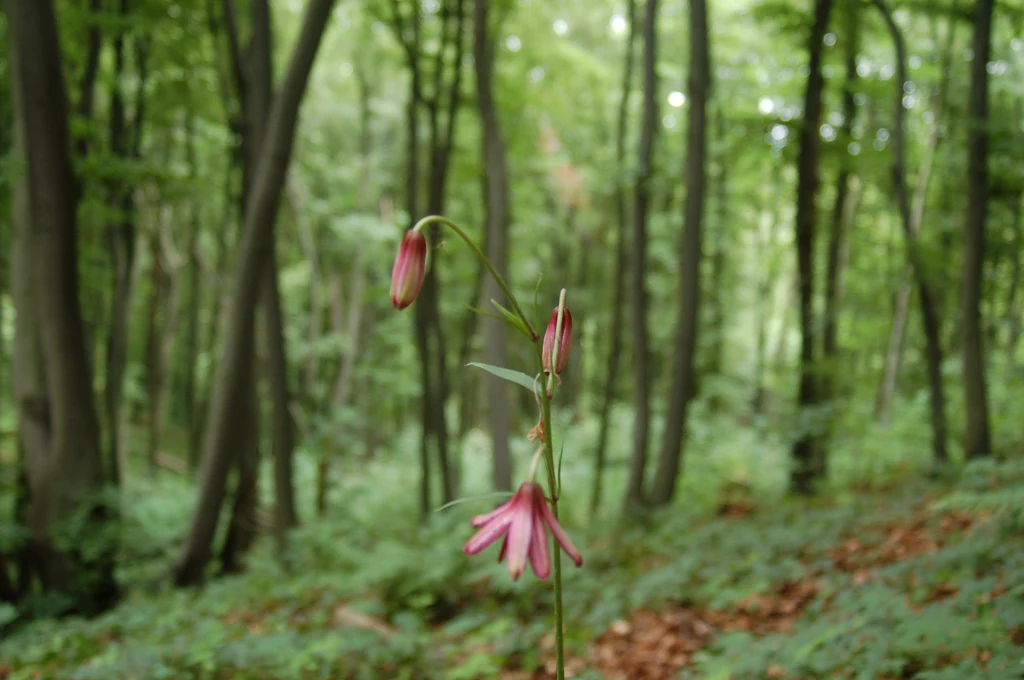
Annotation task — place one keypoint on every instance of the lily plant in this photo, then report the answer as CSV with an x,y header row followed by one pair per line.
x,y
525,519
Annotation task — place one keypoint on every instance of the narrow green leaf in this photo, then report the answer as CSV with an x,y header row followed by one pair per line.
x,y
512,318
515,323
506,374
481,497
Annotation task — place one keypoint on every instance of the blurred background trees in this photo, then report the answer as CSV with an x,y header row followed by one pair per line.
x,y
747,201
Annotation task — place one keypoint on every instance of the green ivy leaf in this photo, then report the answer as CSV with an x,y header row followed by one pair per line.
x,y
506,374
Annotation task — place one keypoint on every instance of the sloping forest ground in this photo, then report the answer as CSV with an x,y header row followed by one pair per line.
x,y
886,576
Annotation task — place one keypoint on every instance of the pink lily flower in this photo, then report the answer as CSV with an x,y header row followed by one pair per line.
x,y
409,270
523,521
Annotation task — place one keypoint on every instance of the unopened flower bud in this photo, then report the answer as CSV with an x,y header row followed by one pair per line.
x,y
564,342
410,269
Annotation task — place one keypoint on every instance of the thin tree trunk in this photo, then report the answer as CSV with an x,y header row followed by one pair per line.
x,y
282,438
638,299
58,425
929,314
765,310
257,240
683,378
1013,311
307,238
842,218
158,281
496,200
715,353
191,350
805,448
977,440
163,343
122,244
894,353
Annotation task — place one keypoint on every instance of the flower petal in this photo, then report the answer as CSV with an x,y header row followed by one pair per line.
x,y
480,520
559,532
489,534
504,549
540,558
519,533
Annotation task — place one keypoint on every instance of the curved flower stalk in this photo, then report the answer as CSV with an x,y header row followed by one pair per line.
x,y
523,521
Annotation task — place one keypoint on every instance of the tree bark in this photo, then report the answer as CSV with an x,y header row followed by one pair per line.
x,y
688,325
58,425
496,201
977,442
806,447
638,300
257,240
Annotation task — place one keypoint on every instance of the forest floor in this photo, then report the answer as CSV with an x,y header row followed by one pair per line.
x,y
913,581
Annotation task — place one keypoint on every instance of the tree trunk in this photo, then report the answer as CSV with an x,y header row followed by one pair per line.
x,y
257,240
122,244
58,425
929,314
1013,312
638,299
255,97
282,439
496,200
842,219
894,354
154,334
683,378
191,349
977,441
806,447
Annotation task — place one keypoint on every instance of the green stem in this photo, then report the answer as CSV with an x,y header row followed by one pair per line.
x,y
549,458
429,219
545,395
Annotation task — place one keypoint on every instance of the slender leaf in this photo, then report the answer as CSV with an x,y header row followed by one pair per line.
x,y
506,374
512,318
481,497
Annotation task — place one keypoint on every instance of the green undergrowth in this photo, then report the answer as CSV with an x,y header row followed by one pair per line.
x,y
370,592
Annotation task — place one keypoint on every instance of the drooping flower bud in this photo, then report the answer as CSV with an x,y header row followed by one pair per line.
x,y
410,269
564,343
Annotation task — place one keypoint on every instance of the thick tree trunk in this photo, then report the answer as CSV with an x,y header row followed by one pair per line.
x,y
257,240
977,442
638,299
255,96
683,378
496,199
806,447
58,425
